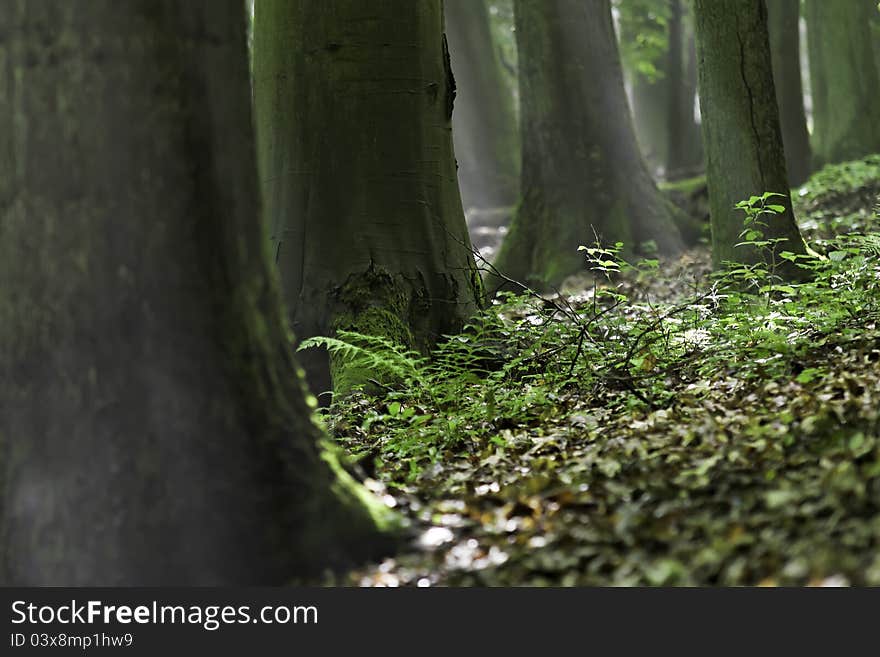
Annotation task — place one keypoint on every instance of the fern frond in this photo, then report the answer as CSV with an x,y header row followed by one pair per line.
x,y
388,359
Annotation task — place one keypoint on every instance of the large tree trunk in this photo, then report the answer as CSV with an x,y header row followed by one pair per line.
x,y
484,126
154,425
741,132
354,107
582,170
783,18
844,80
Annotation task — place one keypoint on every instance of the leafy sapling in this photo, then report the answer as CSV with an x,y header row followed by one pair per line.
x,y
764,274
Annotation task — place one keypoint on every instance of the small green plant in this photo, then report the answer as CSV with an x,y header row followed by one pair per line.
x,y
607,262
391,364
762,275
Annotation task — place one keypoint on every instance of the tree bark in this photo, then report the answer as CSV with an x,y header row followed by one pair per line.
x,y
154,426
844,80
353,113
783,18
582,170
484,126
741,132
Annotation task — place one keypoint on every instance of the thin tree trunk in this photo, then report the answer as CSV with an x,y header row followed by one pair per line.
x,y
582,169
741,132
783,19
651,99
663,107
675,70
650,92
484,126
353,113
154,427
694,132
874,11
681,110
844,80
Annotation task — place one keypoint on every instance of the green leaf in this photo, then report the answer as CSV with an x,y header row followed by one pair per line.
x,y
808,375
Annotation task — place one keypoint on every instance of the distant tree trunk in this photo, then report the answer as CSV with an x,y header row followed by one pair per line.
x,y
484,127
741,132
844,80
582,169
695,132
354,108
874,10
783,18
663,105
681,111
650,110
154,426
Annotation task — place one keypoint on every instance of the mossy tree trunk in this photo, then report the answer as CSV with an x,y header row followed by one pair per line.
x,y
844,80
582,170
154,426
353,114
741,132
783,24
484,126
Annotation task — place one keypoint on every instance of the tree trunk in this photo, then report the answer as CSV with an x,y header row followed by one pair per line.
x,y
663,105
783,17
582,170
741,132
649,79
694,131
353,114
844,80
874,11
650,109
684,150
484,125
154,426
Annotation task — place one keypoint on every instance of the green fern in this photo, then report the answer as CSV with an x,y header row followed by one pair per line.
x,y
392,363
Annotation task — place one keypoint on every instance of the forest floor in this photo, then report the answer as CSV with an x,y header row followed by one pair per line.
x,y
655,426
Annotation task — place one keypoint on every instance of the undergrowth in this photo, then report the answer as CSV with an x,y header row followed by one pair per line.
x,y
510,365
665,425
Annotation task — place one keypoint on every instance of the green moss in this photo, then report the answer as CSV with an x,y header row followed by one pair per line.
x,y
560,266
373,303
372,321
687,186
620,226
355,498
